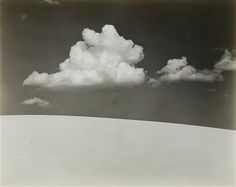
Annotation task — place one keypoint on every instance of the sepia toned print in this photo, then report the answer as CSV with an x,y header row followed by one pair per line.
x,y
118,93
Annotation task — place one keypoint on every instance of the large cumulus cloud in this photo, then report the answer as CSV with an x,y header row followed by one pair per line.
x,y
104,58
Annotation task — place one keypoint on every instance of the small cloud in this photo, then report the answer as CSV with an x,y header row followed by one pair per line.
x,y
51,2
226,95
211,90
104,58
180,70
24,16
36,101
227,62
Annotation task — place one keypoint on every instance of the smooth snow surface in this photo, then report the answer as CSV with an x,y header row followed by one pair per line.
x,y
83,151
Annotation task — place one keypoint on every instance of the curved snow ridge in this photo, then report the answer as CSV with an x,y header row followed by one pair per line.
x,y
113,121
84,151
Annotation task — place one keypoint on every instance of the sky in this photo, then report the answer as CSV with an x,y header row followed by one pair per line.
x,y
169,61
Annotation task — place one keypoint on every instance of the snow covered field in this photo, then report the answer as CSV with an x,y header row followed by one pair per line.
x,y
83,151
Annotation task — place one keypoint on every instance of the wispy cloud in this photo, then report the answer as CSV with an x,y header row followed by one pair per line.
x,y
24,16
51,2
104,58
211,90
226,95
36,101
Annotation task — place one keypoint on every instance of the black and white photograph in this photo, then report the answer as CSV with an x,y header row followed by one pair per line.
x,y
118,93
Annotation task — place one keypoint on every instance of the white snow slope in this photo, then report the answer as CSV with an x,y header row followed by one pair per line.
x,y
83,151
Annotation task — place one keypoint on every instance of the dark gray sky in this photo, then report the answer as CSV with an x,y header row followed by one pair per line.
x,y
38,36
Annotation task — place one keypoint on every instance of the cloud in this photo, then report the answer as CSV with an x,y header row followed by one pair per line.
x,y
36,101
24,16
227,62
104,58
51,2
227,95
211,90
180,70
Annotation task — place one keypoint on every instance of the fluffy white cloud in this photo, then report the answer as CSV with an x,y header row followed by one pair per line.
x,y
104,58
178,69
52,2
36,101
227,62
